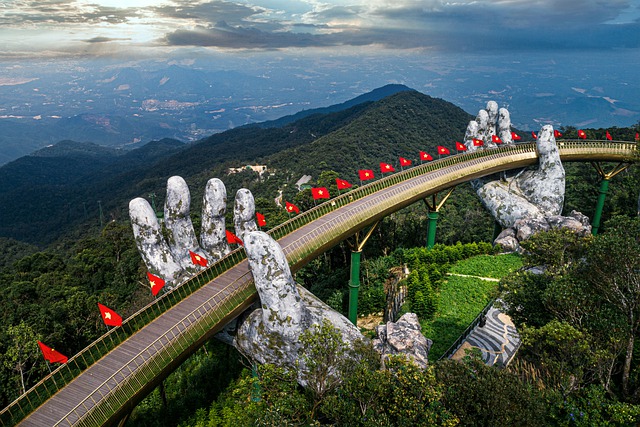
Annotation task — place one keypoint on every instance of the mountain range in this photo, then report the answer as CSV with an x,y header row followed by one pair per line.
x,y
69,184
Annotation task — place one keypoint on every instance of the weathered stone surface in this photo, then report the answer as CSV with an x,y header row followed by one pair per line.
x,y
270,334
214,208
530,200
544,186
403,338
527,227
559,221
483,127
584,220
507,239
152,246
244,213
180,234
504,126
492,116
506,203
470,134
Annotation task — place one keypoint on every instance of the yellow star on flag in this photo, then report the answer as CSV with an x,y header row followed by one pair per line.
x,y
107,315
366,174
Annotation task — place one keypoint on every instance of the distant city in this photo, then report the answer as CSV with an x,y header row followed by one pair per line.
x,y
193,94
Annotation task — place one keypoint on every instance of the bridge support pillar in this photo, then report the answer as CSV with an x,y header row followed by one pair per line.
x,y
433,211
604,189
431,228
354,286
354,274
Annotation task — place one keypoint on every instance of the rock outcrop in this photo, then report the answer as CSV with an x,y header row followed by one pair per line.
x,y
403,337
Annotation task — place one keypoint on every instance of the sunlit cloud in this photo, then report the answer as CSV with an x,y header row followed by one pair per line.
x,y
460,25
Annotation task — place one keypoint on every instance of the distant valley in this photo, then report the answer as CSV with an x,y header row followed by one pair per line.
x,y
192,95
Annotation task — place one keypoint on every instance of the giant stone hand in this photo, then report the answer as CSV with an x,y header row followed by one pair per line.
x,y
268,334
530,200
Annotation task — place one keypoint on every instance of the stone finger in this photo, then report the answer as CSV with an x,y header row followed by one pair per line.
x,y
180,234
213,238
244,213
282,306
152,247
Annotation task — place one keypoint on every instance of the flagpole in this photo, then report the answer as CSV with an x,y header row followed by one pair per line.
x,y
48,365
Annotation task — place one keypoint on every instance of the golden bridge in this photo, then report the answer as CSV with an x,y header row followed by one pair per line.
x,y
104,382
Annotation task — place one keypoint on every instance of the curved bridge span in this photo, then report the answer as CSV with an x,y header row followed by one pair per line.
x,y
103,383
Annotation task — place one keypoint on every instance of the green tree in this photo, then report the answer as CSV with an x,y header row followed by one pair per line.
x,y
322,355
612,268
22,354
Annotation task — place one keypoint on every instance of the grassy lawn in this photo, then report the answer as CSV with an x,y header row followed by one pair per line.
x,y
495,266
461,299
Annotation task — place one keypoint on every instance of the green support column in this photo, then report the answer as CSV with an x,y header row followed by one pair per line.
x,y
431,229
433,210
354,286
604,188
354,277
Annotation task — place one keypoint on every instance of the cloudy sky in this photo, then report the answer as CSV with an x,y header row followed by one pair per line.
x,y
98,27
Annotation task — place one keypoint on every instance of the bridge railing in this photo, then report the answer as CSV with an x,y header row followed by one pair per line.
x,y
63,375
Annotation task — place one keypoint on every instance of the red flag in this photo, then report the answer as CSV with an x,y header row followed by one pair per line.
x,y
290,207
515,136
53,356
443,150
386,167
478,142
496,139
533,134
320,193
609,136
110,317
425,156
261,219
405,162
342,184
156,283
365,174
556,133
637,136
460,146
231,239
200,260
582,134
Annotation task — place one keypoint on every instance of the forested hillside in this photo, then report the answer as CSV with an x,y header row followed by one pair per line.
x,y
44,196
